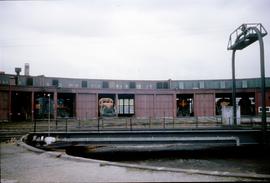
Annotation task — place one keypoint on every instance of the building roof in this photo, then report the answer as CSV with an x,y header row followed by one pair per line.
x,y
42,81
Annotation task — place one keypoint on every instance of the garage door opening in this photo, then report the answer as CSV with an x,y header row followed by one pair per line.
x,y
184,105
106,104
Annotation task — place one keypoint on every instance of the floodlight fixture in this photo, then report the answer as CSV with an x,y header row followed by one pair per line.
x,y
245,35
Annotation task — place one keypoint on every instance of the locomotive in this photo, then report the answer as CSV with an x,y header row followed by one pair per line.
x,y
106,107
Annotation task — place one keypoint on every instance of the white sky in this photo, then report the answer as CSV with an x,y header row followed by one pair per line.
x,y
130,39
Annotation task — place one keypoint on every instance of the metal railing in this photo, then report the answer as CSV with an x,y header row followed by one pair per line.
x,y
10,130
130,123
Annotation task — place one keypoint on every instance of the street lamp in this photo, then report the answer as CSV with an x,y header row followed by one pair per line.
x,y
242,37
49,125
49,139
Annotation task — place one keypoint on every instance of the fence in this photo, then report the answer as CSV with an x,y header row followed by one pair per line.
x,y
9,130
129,123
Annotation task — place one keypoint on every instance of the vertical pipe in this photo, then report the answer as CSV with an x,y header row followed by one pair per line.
x,y
233,88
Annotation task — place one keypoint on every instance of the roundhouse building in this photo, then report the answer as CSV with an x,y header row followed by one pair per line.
x,y
24,97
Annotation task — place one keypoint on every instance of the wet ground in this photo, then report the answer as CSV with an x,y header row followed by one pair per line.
x,y
21,165
242,159
259,166
253,159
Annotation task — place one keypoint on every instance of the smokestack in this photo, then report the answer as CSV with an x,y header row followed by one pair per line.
x,y
26,69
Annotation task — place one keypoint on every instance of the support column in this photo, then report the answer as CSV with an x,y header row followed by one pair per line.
x,y
233,88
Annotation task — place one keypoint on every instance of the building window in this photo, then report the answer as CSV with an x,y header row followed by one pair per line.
x,y
222,84
201,84
244,84
29,81
112,84
166,85
132,85
181,85
162,85
117,86
126,106
84,84
55,82
159,85
70,85
105,84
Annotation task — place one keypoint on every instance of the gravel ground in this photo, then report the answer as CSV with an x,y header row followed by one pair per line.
x,y
21,165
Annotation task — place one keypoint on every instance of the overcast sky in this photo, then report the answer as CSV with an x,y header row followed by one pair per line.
x,y
130,39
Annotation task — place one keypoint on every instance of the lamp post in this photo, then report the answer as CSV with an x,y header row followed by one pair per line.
x,y
49,125
49,139
242,37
